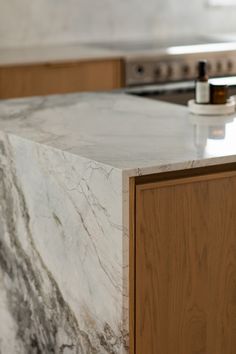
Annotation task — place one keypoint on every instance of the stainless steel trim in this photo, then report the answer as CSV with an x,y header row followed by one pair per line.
x,y
172,68
177,86
183,85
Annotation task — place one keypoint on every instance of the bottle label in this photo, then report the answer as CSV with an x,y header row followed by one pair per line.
x,y
202,92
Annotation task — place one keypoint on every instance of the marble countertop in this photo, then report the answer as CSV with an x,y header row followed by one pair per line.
x,y
65,163
55,53
135,135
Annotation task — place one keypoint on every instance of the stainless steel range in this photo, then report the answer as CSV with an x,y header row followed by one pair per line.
x,y
166,71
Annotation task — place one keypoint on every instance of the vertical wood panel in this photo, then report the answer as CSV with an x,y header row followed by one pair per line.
x,y
186,266
132,262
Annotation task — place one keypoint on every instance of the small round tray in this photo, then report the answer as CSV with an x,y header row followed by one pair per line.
x,y
212,109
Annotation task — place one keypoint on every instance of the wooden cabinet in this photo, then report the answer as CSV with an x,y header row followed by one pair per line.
x,y
183,270
57,78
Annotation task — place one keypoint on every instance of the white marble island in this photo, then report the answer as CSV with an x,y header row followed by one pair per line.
x,y
65,166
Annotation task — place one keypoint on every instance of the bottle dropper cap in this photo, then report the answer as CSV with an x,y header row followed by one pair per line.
x,y
202,68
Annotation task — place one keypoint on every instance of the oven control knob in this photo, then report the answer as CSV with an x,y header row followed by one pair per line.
x,y
209,67
139,69
230,65
186,70
161,71
170,71
219,66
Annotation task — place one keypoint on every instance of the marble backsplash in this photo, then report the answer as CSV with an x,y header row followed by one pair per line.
x,y
30,23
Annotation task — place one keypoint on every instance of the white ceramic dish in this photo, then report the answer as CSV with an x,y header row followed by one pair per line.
x,y
212,109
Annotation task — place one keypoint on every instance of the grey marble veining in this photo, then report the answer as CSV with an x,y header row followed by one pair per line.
x,y
65,163
61,267
125,132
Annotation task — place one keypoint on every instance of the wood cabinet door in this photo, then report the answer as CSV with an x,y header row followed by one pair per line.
x,y
59,78
185,266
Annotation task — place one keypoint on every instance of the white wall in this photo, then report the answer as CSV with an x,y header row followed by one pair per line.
x,y
33,22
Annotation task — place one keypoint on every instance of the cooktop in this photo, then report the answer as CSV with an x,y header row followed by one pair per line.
x,y
169,46
155,44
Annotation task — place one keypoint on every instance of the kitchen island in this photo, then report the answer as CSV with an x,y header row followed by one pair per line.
x,y
117,227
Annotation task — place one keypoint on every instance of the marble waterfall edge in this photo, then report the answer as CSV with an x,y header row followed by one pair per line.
x,y
61,252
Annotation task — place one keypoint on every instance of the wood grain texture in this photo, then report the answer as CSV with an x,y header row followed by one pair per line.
x,y
57,78
186,266
132,262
